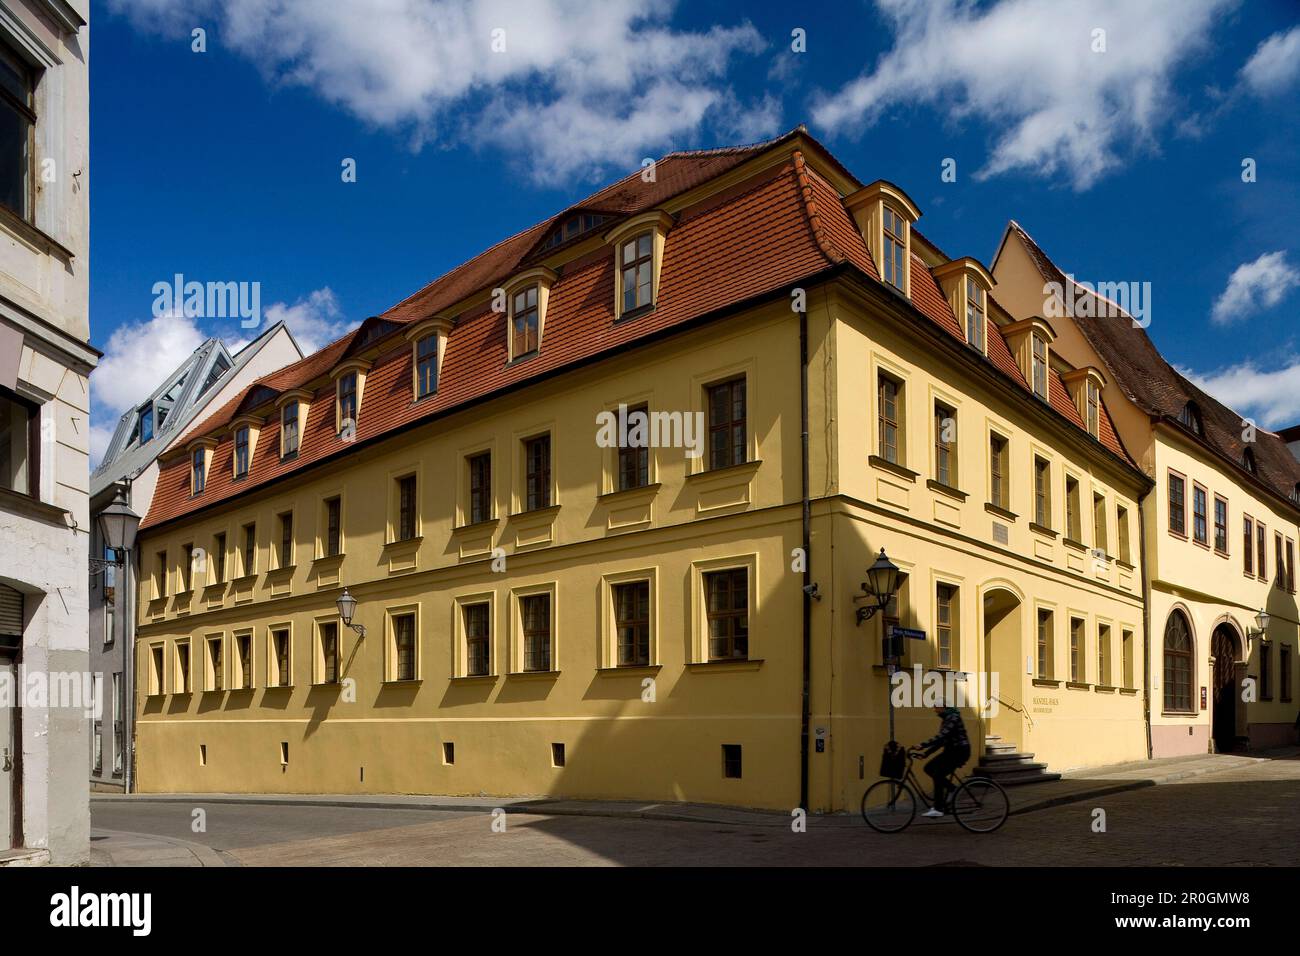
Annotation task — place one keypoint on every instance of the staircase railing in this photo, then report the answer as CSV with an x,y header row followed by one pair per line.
x,y
1017,708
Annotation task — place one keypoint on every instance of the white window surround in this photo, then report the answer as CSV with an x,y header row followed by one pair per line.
x,y
441,327
208,445
304,398
543,278
254,424
1079,381
867,206
360,367
1020,338
657,223
955,279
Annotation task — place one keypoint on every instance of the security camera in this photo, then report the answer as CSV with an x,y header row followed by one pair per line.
x,y
811,591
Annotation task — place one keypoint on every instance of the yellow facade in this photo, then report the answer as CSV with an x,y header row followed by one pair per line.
x,y
660,731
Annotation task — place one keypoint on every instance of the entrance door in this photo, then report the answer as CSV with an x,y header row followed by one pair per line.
x,y
1223,647
8,755
1003,665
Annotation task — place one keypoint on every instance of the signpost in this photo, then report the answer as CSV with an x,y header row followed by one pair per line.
x,y
891,654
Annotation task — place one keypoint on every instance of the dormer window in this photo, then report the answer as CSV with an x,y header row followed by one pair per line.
x,y
199,470
976,315
347,400
524,322
637,260
1248,461
242,453
146,424
1295,493
1038,365
894,260
1190,418
289,430
1085,386
426,366
1093,414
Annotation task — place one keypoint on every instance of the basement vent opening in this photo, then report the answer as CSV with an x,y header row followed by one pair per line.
x,y
557,755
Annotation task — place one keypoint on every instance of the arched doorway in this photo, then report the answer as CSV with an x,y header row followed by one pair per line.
x,y
1003,663
1225,648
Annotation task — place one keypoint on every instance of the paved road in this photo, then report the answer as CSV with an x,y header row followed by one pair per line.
x,y
1239,817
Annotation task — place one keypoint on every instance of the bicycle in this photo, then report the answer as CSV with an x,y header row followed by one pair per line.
x,y
979,804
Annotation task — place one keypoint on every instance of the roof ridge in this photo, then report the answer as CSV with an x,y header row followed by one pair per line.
x,y
824,243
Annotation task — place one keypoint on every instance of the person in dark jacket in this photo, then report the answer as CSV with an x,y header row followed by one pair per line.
x,y
954,747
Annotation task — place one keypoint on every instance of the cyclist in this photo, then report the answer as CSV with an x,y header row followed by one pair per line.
x,y
955,746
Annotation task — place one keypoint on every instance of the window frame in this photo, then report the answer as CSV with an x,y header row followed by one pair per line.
x,y
290,429
890,418
479,485
1248,545
999,449
1180,530
529,335
945,452
1043,492
1221,528
1172,699
977,323
1201,518
734,615
1037,365
243,458
639,260
426,366
30,77
893,235
538,472
737,392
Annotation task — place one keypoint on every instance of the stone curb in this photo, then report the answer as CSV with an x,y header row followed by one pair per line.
x,y
204,854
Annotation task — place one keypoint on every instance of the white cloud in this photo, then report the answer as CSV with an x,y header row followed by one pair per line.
x,y
315,320
579,85
1028,68
1275,64
1271,397
1255,286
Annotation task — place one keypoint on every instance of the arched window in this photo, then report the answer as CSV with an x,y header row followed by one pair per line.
x,y
1248,461
1178,664
1295,492
1190,417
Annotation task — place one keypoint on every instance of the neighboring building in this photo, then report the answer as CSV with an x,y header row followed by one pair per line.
x,y
208,379
1220,530
45,362
550,613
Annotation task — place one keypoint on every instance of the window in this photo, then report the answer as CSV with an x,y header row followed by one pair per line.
x,y
20,443
347,401
119,708
480,487
182,667
250,549
999,493
286,540
523,318
632,623
448,752
280,659
537,472
895,235
1290,565
634,457
1248,461
216,664
1042,493
244,665
289,429
1221,525
1199,532
1279,562
1093,407
637,265
1177,516
945,445
535,612
1178,664
1076,649
219,558
945,624
96,727
404,647
241,451
199,470
889,411
405,528
17,125
156,669
1190,418
1126,658
146,424
731,761
477,635
1038,364
727,613
426,366
1045,644
110,617
160,575
1248,549
1103,655
1295,493
1100,540
727,423
1121,530
1283,670
187,568
557,755
1266,670
976,323
333,526
1261,551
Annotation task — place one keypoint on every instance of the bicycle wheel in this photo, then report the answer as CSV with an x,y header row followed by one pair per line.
x,y
888,806
980,805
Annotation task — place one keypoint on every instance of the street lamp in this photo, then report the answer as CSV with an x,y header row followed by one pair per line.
x,y
881,583
347,606
1261,628
118,525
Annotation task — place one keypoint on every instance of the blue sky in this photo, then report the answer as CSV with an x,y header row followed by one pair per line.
x,y
1123,162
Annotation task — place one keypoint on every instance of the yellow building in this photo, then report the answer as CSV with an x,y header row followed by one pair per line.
x,y
553,605
1220,527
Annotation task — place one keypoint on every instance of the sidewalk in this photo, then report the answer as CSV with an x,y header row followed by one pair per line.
x,y
1073,787
117,848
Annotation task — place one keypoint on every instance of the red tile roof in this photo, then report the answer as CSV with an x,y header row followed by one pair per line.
x,y
785,225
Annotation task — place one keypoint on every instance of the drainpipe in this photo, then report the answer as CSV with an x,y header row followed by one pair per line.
x,y
805,707
1146,619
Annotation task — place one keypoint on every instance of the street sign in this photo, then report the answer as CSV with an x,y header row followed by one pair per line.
x,y
907,633
892,648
